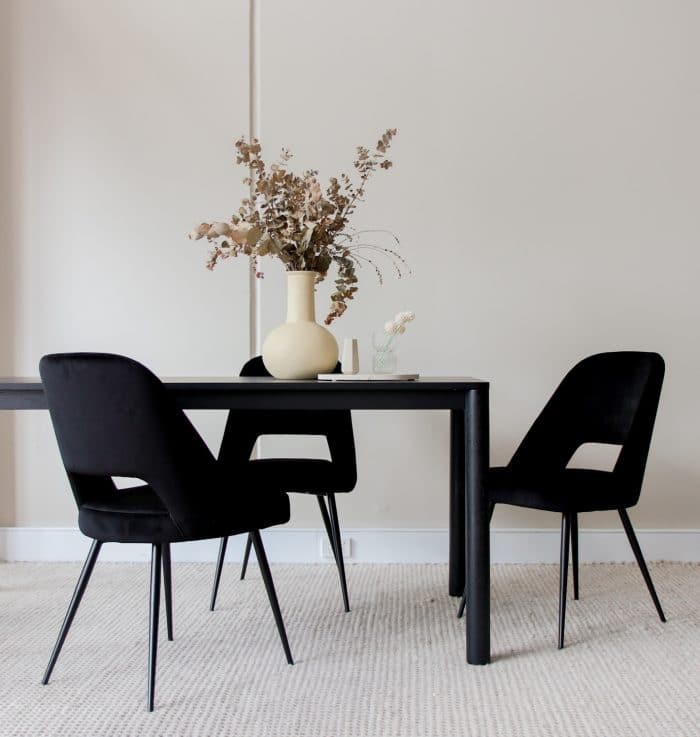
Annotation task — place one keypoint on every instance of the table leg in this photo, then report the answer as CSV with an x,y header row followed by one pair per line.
x,y
477,515
457,509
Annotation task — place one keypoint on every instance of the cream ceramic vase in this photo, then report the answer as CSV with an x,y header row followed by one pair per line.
x,y
300,348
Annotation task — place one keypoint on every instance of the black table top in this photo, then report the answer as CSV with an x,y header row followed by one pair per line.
x,y
439,392
13,383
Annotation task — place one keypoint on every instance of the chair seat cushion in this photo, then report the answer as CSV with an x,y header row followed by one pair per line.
x,y
569,490
136,515
300,475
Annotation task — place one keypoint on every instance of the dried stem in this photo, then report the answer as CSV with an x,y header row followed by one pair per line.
x,y
288,216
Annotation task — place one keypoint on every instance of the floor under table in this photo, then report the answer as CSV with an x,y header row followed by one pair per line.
x,y
393,666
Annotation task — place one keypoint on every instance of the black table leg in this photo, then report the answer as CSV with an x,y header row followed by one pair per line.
x,y
457,511
478,550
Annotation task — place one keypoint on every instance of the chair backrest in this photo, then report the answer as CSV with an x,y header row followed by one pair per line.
x,y
606,398
244,427
113,417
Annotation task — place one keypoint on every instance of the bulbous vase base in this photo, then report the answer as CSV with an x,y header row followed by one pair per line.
x,y
299,350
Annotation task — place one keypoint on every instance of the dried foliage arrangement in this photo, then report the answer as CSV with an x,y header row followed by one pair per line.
x,y
291,217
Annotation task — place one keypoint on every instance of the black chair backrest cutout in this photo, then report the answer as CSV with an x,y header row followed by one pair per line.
x,y
113,417
244,427
606,398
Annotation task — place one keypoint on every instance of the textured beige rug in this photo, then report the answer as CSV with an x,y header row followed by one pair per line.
x,y
393,666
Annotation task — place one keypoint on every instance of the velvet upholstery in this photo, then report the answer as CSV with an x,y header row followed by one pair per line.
x,y
606,398
113,417
310,476
322,478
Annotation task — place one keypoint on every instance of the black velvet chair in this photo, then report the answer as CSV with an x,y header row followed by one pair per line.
x,y
113,417
301,475
606,398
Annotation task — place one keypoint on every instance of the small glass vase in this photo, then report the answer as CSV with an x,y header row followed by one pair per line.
x,y
384,356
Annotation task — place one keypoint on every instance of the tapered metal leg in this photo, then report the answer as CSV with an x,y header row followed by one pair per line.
x,y
462,605
563,573
327,524
73,606
574,550
271,594
217,573
463,602
167,588
156,563
329,527
246,557
335,526
640,561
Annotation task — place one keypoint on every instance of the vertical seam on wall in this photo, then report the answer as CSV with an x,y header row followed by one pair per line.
x,y
254,290
254,286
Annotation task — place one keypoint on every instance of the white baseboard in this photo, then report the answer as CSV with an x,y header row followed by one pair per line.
x,y
296,545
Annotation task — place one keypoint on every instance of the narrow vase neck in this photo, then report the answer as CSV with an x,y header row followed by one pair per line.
x,y
300,296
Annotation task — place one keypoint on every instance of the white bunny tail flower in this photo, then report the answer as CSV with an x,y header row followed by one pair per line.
x,y
390,327
403,317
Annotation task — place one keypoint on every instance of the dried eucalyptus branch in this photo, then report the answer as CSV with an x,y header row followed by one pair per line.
x,y
290,217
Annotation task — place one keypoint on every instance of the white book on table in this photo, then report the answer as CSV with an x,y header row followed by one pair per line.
x,y
368,377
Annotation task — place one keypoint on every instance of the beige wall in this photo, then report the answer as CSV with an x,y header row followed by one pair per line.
x,y
7,261
545,190
123,116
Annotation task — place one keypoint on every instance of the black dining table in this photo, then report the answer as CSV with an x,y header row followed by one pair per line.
x,y
466,399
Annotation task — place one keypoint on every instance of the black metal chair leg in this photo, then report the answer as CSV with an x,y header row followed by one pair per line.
x,y
462,605
640,561
330,531
246,557
335,526
73,606
563,573
271,594
217,573
327,525
168,588
574,551
156,563
463,602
